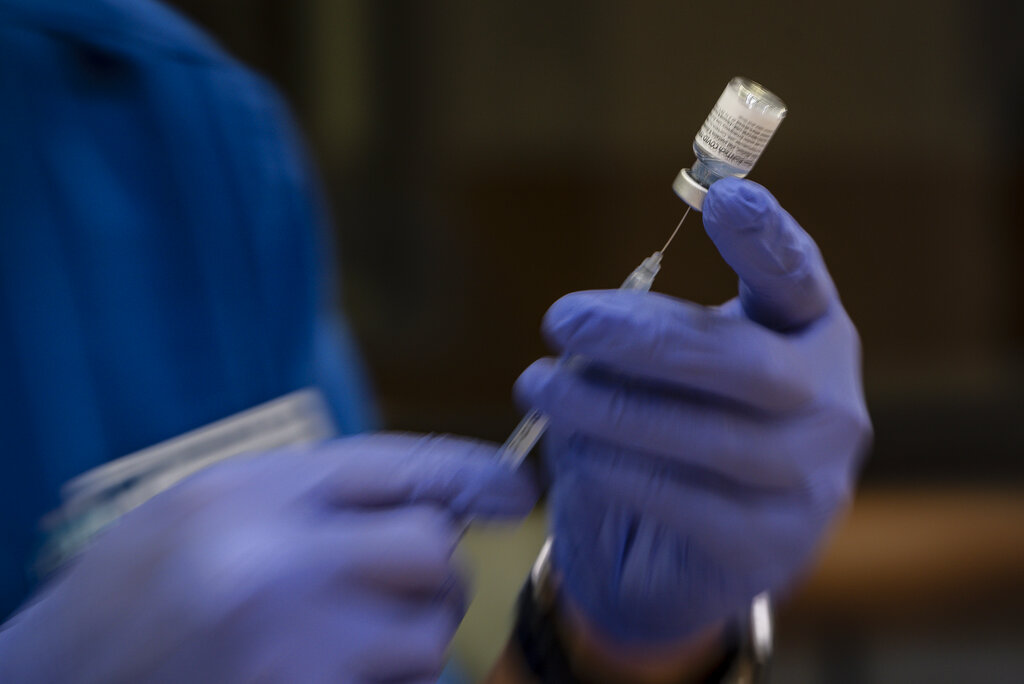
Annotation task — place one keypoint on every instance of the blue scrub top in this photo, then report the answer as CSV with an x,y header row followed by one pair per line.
x,y
161,249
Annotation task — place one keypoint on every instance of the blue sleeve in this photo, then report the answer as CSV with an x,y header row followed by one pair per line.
x,y
161,257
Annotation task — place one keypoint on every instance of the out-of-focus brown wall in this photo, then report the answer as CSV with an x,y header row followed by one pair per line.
x,y
485,158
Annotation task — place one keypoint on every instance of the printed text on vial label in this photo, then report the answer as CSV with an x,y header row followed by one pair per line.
x,y
735,139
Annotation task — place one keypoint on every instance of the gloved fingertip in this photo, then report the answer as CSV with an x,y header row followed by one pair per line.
x,y
501,493
751,230
455,593
530,384
524,494
581,318
739,204
562,318
784,281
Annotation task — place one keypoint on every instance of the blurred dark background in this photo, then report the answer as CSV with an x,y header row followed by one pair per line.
x,y
482,159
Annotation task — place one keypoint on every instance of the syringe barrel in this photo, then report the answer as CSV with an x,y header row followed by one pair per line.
x,y
522,440
533,425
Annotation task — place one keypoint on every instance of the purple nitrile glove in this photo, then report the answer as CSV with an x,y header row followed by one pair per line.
x,y
330,563
700,456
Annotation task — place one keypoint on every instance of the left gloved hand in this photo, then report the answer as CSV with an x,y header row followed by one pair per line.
x,y
322,563
699,457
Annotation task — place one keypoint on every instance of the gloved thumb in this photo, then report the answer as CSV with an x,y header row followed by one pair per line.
x,y
784,284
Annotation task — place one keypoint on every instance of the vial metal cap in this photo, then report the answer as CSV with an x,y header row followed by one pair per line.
x,y
689,190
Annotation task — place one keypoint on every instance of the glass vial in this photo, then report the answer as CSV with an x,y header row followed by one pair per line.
x,y
731,139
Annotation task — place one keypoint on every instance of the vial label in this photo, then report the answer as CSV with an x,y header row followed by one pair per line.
x,y
735,133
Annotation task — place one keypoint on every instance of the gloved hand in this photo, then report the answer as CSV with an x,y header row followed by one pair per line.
x,y
325,564
701,454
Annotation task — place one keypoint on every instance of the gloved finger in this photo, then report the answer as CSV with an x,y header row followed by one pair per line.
x,y
414,644
407,550
784,284
719,516
462,475
745,446
667,340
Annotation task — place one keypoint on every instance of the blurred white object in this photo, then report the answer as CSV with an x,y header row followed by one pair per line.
x,y
100,496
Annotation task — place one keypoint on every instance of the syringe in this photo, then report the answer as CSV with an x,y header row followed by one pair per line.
x,y
532,426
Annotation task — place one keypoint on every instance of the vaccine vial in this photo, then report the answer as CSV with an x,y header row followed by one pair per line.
x,y
731,139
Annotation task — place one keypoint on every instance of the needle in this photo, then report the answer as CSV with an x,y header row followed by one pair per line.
x,y
680,225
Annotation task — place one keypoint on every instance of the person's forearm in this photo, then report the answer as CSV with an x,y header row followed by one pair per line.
x,y
509,668
598,660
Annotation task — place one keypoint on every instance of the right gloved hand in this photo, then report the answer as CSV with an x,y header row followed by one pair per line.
x,y
701,455
325,564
